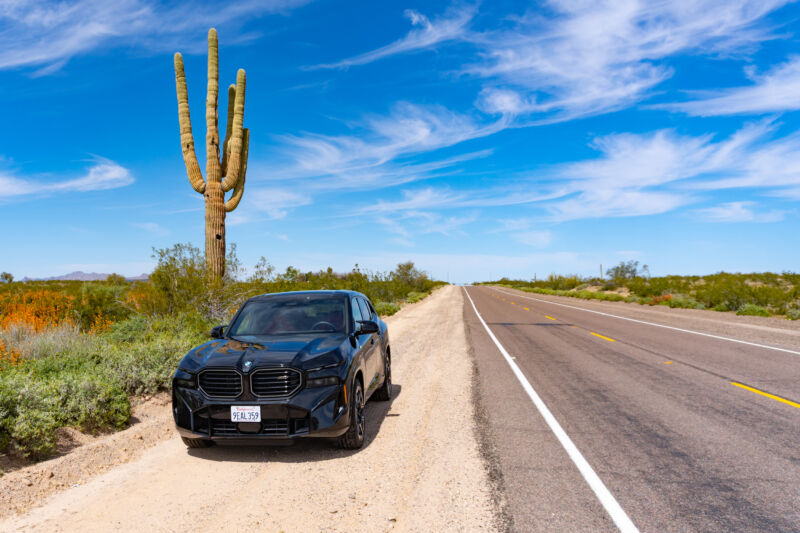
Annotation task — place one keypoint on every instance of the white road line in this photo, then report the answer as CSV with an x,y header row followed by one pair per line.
x,y
654,324
610,504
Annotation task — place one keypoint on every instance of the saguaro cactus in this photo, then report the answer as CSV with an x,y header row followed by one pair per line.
x,y
221,175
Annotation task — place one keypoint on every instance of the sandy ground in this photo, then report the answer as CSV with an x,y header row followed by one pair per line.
x,y
420,468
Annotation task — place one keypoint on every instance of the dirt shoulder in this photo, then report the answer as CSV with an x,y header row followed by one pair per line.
x,y
773,331
420,468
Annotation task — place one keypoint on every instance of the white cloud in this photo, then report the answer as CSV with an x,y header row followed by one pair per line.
x,y
739,212
274,202
537,239
379,152
775,91
48,34
634,175
661,171
572,58
453,25
595,57
102,175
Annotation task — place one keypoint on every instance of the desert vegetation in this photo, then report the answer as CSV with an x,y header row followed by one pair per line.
x,y
75,353
756,294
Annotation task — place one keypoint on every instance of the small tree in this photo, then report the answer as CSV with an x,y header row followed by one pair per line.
x,y
6,277
116,279
625,270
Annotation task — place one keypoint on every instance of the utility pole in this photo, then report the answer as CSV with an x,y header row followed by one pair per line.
x,y
601,270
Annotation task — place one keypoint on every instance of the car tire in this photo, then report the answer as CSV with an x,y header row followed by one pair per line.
x,y
384,394
197,443
354,438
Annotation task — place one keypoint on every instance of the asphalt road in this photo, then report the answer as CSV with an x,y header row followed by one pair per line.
x,y
684,432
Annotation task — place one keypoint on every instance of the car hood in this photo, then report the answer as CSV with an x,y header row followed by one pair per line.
x,y
302,352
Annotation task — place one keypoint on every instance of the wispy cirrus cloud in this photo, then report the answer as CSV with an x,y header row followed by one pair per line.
x,y
575,59
452,25
589,58
272,203
774,91
47,34
102,175
380,150
661,171
633,175
739,212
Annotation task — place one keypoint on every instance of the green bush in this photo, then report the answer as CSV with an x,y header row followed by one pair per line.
x,y
35,405
793,313
386,308
414,297
752,310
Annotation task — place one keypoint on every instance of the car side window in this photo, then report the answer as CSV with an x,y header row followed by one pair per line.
x,y
364,309
356,309
372,309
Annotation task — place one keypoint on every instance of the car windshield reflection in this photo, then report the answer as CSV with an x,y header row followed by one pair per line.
x,y
289,316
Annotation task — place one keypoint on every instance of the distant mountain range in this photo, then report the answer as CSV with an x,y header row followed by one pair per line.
x,y
84,276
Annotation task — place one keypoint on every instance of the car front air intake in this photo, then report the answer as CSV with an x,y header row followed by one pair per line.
x,y
275,382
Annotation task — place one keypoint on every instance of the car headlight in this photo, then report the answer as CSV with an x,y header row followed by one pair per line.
x,y
185,379
322,382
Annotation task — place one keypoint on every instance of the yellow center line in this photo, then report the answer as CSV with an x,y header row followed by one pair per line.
x,y
512,303
667,362
609,339
768,395
551,318
525,308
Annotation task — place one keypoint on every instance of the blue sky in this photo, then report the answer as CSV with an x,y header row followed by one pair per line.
x,y
476,139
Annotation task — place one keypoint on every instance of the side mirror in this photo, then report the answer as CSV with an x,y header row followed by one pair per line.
x,y
217,332
365,327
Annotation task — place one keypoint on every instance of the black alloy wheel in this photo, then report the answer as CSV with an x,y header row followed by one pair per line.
x,y
354,438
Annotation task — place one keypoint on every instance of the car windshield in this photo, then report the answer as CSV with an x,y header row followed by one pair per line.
x,y
282,315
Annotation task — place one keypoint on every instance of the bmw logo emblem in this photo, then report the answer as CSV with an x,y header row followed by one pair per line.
x,y
248,364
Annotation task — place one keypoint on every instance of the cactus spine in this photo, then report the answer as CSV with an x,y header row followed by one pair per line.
x,y
221,175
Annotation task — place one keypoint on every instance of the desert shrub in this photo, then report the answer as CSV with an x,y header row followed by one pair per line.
x,y
414,296
34,406
793,313
386,308
752,310
685,302
129,330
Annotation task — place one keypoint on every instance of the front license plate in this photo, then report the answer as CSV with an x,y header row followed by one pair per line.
x,y
245,413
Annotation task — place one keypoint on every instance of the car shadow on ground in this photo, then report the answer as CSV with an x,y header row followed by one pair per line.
x,y
303,449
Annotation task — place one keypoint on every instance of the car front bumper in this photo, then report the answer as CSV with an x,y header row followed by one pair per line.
x,y
311,412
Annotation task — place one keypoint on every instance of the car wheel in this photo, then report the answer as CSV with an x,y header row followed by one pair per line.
x,y
354,438
197,443
384,394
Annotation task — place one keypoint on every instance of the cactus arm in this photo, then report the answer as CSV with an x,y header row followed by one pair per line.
x,y
212,119
233,202
234,159
185,121
228,128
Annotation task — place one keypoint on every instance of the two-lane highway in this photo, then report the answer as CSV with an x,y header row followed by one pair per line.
x,y
638,425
